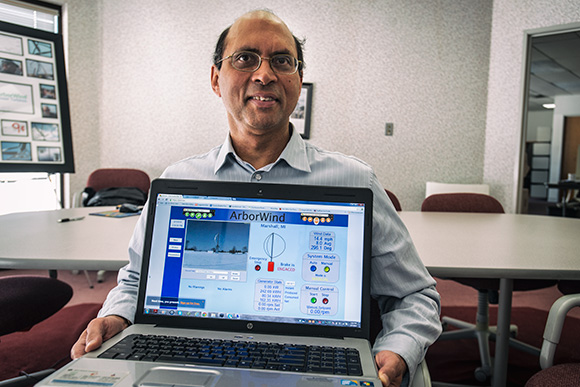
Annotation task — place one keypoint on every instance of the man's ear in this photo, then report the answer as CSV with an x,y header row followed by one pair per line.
x,y
215,75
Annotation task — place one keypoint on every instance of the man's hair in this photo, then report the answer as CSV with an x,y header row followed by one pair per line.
x,y
221,44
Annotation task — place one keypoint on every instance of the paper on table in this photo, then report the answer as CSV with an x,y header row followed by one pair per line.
x,y
115,214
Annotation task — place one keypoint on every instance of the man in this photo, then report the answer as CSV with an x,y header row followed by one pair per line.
x,y
257,72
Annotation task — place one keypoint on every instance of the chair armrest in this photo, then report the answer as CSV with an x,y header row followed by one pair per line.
x,y
554,325
422,376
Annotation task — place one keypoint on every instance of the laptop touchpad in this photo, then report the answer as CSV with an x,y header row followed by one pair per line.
x,y
174,376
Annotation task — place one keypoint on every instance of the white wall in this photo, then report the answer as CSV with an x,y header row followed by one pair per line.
x,y
504,107
140,93
539,125
83,30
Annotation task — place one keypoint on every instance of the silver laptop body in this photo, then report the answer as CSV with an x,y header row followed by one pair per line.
x,y
263,265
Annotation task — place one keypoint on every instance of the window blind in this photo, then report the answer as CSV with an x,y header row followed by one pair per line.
x,y
32,15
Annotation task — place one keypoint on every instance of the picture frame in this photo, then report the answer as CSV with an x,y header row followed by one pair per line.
x,y
14,128
301,115
36,133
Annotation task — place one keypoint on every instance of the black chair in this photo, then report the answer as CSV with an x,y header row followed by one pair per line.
x,y
561,375
487,289
25,301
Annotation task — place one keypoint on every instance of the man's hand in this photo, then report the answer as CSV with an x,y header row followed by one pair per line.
x,y
99,330
392,368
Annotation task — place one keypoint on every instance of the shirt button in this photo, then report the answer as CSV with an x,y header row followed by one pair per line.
x,y
257,176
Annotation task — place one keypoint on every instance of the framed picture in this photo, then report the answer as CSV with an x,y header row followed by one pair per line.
x,y
10,44
14,128
35,135
47,91
10,66
300,117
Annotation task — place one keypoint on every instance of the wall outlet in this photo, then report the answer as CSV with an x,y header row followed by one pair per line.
x,y
389,129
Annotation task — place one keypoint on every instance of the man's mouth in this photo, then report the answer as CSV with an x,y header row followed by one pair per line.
x,y
258,98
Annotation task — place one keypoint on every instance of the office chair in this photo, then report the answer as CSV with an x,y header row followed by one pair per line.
x,y
25,301
394,200
462,202
422,376
561,375
108,178
433,187
487,288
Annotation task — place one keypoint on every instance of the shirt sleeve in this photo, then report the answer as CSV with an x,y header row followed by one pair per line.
x,y
405,291
122,299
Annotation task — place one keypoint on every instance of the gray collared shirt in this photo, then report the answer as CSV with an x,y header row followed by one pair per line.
x,y
410,305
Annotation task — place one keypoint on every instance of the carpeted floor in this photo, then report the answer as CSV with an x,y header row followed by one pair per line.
x,y
455,361
450,361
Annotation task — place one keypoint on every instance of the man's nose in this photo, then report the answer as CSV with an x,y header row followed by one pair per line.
x,y
264,74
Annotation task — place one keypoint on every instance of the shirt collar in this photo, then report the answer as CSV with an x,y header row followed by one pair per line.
x,y
294,154
226,149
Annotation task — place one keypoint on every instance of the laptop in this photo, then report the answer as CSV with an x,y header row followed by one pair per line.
x,y
245,284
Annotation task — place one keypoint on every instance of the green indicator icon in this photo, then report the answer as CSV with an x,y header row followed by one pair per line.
x,y
313,300
198,215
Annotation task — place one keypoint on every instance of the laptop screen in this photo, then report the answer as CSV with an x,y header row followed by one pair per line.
x,y
256,259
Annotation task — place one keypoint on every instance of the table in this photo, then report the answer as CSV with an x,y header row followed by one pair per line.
x,y
504,246
35,240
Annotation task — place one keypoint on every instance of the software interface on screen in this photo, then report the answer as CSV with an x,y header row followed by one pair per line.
x,y
250,259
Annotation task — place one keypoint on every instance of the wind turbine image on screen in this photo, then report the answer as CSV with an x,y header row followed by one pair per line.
x,y
274,246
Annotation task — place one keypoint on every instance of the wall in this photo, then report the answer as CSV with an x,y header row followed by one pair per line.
x,y
139,78
83,47
504,106
539,125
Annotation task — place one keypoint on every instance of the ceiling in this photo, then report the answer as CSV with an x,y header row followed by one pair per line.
x,y
555,68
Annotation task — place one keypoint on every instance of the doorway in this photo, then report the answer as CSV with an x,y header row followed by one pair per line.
x,y
571,148
551,115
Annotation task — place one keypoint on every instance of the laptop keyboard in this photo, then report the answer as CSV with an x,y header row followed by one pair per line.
x,y
237,354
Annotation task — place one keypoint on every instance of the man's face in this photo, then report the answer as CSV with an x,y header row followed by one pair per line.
x,y
261,101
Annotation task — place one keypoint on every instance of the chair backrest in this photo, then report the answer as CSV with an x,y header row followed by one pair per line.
x,y
394,200
437,188
28,300
118,177
569,286
462,202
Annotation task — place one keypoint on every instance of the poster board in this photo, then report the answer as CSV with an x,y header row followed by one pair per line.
x,y
35,132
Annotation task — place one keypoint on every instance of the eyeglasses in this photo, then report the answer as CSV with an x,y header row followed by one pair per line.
x,y
249,62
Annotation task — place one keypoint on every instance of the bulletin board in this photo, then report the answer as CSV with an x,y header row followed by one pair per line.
x,y
35,133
